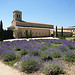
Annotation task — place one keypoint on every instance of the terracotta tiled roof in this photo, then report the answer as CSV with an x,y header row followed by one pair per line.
x,y
35,23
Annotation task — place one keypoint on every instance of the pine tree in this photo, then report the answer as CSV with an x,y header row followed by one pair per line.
x,y
56,32
1,31
62,31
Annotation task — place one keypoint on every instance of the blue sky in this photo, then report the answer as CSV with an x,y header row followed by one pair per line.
x,y
56,12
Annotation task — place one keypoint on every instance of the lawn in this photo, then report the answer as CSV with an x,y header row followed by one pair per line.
x,y
45,55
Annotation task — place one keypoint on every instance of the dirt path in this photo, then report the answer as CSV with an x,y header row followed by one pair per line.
x,y
6,70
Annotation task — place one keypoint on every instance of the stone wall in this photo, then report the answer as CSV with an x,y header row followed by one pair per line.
x,y
65,34
36,32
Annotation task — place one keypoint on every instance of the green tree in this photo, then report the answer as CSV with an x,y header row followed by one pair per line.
x,y
30,34
8,34
1,31
62,31
27,34
56,32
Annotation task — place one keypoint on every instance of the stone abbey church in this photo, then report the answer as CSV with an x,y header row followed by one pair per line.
x,y
19,27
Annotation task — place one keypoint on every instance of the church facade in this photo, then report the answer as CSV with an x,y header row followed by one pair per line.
x,y
20,27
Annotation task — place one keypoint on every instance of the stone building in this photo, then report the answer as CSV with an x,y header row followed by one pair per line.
x,y
68,31
20,27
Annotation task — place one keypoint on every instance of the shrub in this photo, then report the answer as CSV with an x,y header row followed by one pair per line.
x,y
30,64
35,53
56,54
44,48
61,37
52,68
63,49
23,52
9,56
18,49
70,57
46,56
1,51
71,46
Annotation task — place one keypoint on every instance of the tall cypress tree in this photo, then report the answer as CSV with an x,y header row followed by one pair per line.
x,y
1,31
56,32
62,31
30,34
27,34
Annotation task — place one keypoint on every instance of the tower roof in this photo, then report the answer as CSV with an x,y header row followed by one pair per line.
x,y
17,11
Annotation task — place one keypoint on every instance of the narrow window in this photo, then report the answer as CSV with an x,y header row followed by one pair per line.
x,y
19,16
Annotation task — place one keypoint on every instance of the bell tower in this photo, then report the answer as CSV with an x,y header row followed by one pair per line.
x,y
17,15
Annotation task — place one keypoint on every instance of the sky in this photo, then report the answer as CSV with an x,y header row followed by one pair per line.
x,y
57,12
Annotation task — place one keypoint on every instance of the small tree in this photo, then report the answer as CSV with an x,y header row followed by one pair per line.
x,y
27,34
30,33
62,31
56,32
1,31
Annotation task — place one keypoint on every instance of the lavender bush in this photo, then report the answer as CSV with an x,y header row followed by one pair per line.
x,y
9,56
52,68
30,64
33,51
70,57
56,54
23,52
46,56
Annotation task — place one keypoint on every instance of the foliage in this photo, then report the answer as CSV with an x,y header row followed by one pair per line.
x,y
70,57
23,52
1,31
62,32
56,32
30,65
27,34
52,68
35,52
47,50
8,34
63,49
46,56
44,48
61,37
71,46
9,56
18,49
11,63
30,34
56,54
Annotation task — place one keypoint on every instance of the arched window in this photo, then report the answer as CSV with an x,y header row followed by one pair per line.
x,y
17,16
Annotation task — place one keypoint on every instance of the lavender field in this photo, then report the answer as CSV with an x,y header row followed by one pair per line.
x,y
45,55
